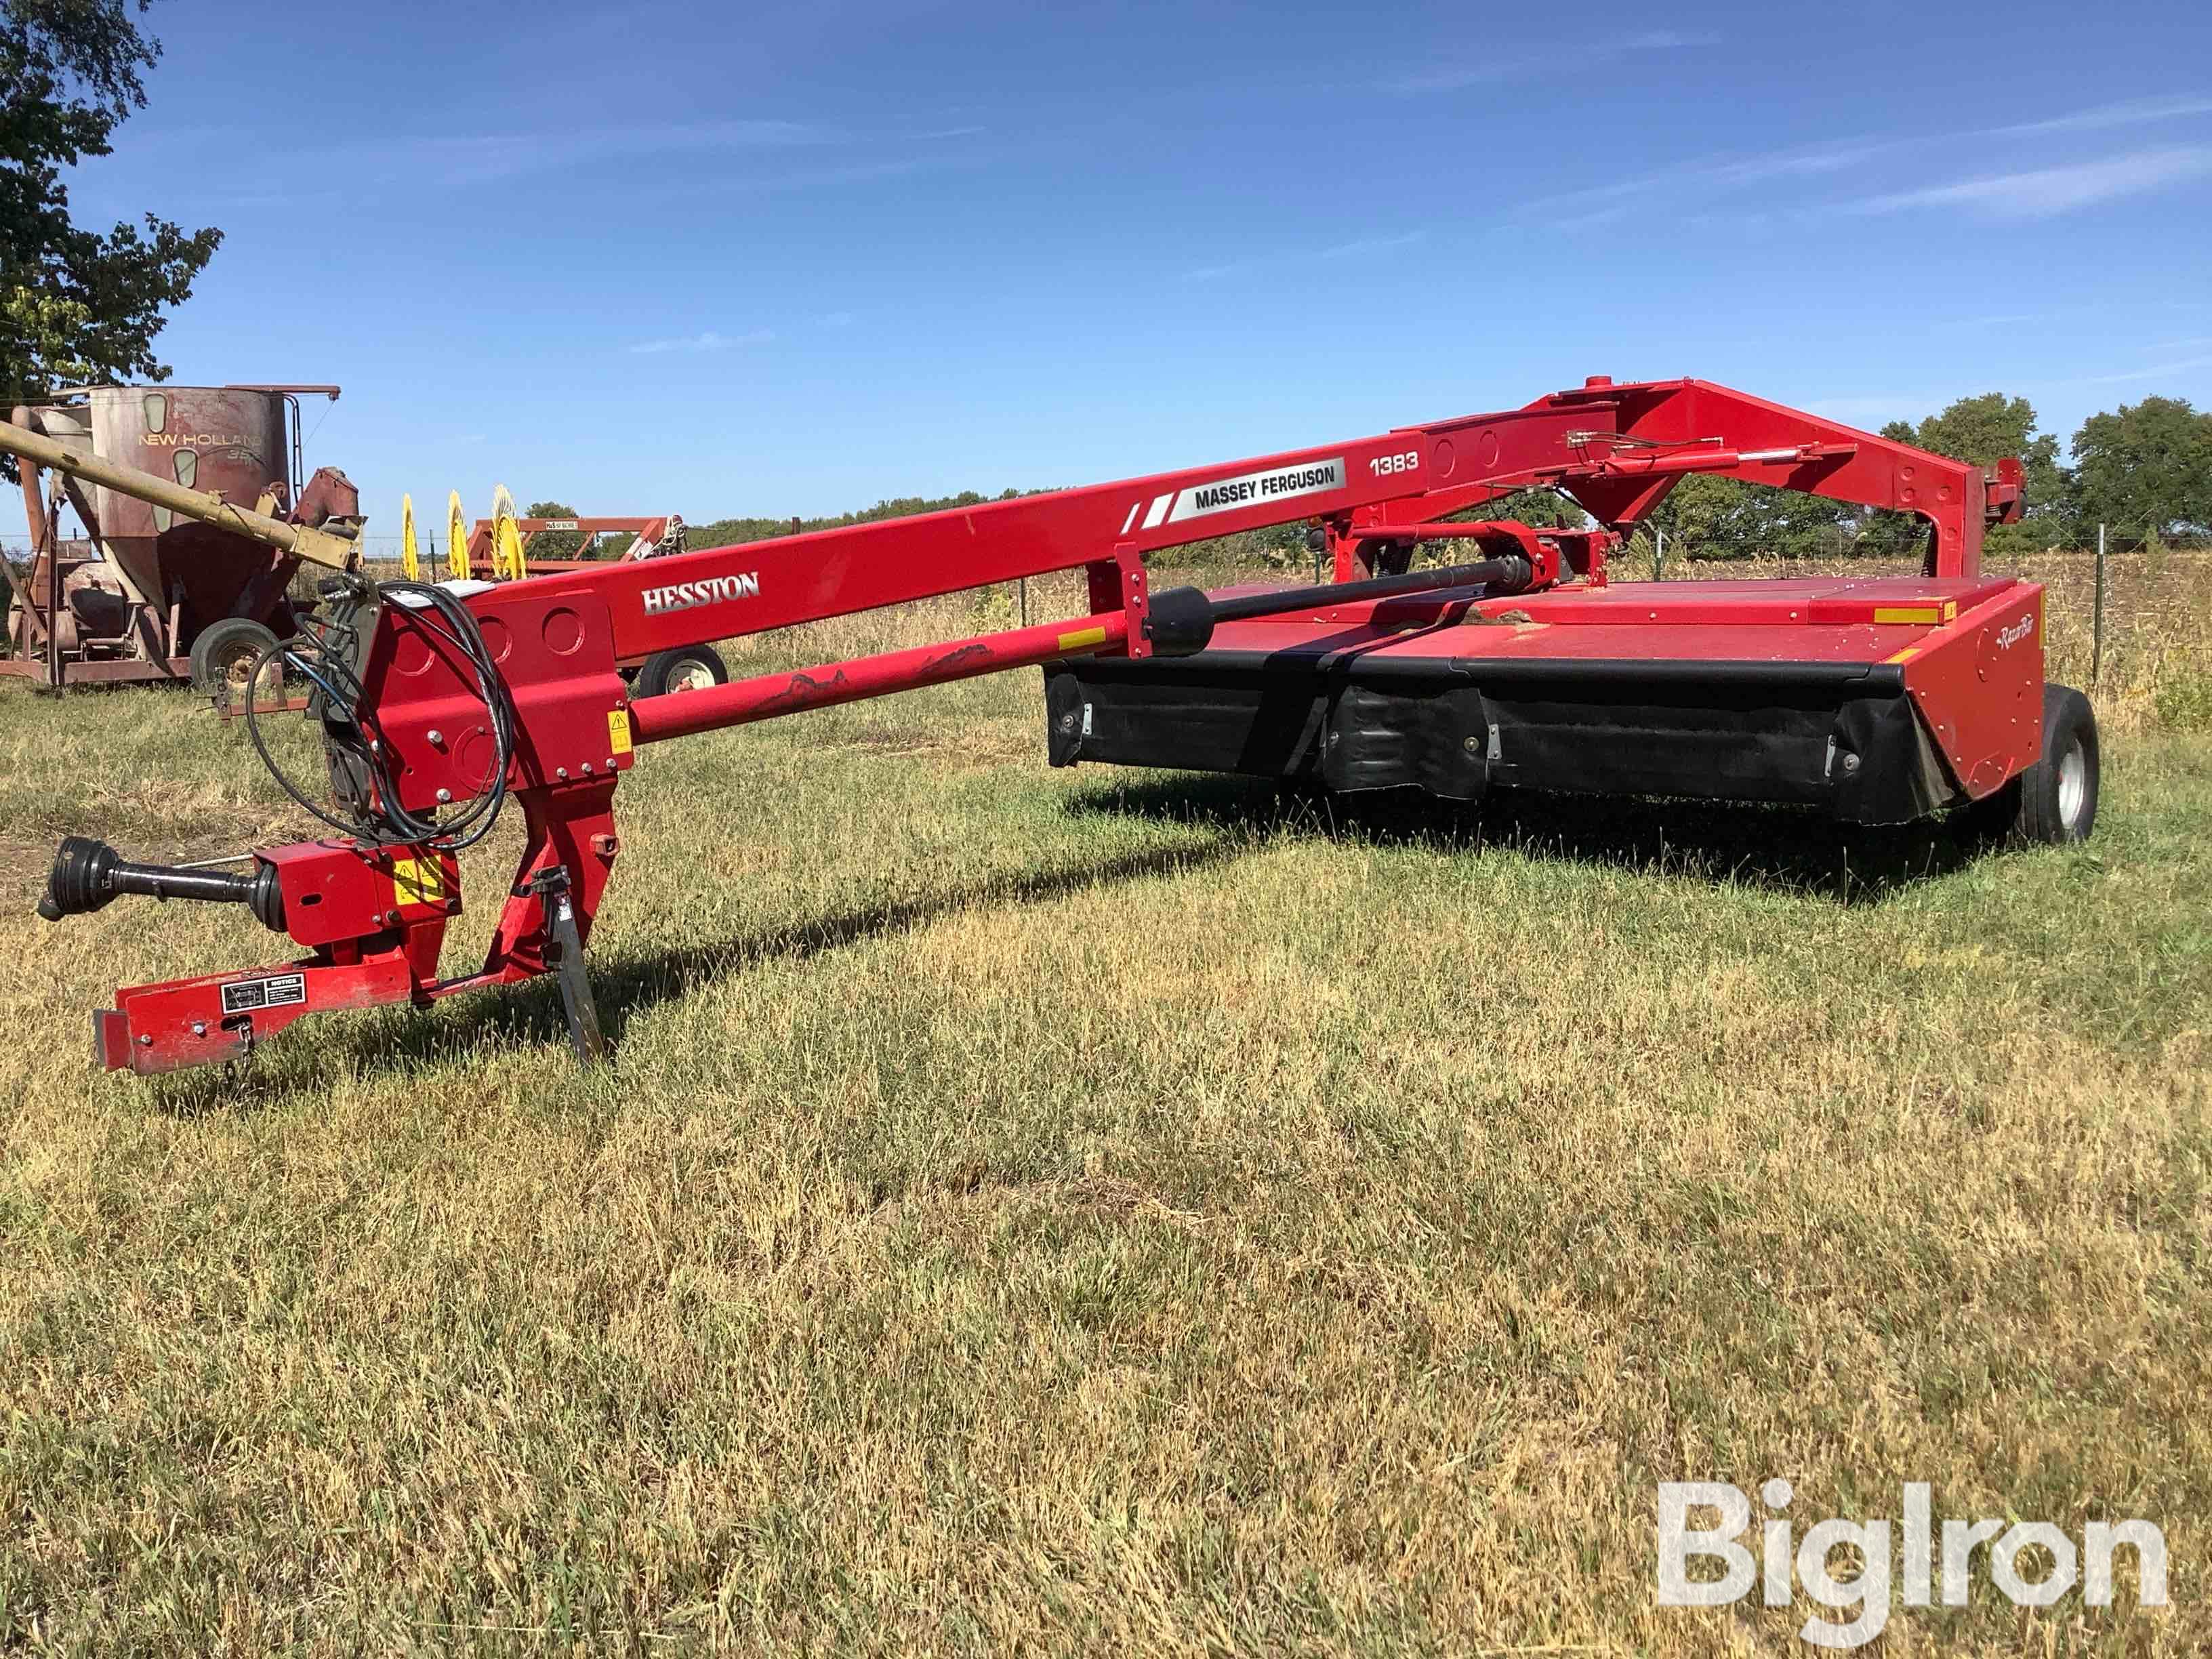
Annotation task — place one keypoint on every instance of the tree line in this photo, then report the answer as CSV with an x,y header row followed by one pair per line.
x,y
2144,471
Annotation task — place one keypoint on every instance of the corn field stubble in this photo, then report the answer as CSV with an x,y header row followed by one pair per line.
x,y
1067,1210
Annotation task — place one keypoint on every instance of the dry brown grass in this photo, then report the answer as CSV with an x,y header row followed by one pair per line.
x,y
2157,659
1052,1211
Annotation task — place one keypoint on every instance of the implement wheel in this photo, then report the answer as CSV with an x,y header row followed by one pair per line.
x,y
688,668
2053,802
222,657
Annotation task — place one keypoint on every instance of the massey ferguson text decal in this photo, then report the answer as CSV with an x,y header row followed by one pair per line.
x,y
689,596
1250,489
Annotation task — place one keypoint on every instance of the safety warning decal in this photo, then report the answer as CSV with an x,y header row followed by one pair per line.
x,y
244,996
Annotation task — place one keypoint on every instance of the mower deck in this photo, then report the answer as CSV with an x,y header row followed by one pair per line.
x,y
1879,700
1512,661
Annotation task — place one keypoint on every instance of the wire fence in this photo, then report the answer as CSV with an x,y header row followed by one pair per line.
x,y
1648,554
1645,548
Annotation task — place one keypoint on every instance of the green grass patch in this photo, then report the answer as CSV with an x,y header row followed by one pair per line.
x,y
1043,1211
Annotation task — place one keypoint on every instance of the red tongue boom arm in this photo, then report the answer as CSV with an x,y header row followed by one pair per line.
x,y
430,724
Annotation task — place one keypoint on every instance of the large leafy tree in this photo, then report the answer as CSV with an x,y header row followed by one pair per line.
x,y
76,304
553,543
2145,469
1982,431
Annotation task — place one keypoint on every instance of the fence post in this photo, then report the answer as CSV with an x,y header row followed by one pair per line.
x,y
2097,618
1021,586
1659,555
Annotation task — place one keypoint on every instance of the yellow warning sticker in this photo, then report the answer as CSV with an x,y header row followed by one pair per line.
x,y
1905,655
1082,637
618,731
1906,613
419,881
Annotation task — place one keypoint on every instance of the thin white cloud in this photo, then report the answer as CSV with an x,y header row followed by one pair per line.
x,y
1868,411
709,341
474,158
1728,174
1510,66
2133,112
1370,245
1352,249
2042,192
2155,372
850,174
1596,219
1665,187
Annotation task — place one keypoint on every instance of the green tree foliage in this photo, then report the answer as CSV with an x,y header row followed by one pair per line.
x,y
724,533
76,304
2146,470
1714,517
553,543
1984,430
1546,510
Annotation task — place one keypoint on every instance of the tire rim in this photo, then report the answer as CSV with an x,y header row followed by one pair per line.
x,y
236,687
2073,784
691,675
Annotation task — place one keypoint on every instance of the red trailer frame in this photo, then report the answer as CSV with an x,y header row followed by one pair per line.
x,y
520,694
652,537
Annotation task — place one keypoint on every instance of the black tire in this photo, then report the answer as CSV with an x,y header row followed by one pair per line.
x,y
2054,802
687,668
223,655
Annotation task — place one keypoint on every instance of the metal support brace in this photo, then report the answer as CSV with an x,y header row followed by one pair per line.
x,y
564,954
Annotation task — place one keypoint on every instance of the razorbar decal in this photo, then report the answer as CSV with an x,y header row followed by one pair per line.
x,y
244,996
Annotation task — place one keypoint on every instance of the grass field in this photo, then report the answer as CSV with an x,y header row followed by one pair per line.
x,y
1043,1211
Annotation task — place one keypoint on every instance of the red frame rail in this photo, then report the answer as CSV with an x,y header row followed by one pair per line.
x,y
372,917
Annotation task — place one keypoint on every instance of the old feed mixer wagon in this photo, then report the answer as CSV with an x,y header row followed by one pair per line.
x,y
1516,661
152,591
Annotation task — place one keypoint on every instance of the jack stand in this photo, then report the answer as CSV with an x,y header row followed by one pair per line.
x,y
564,954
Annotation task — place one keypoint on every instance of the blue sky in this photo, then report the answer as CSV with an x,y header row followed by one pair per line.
x,y
796,258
